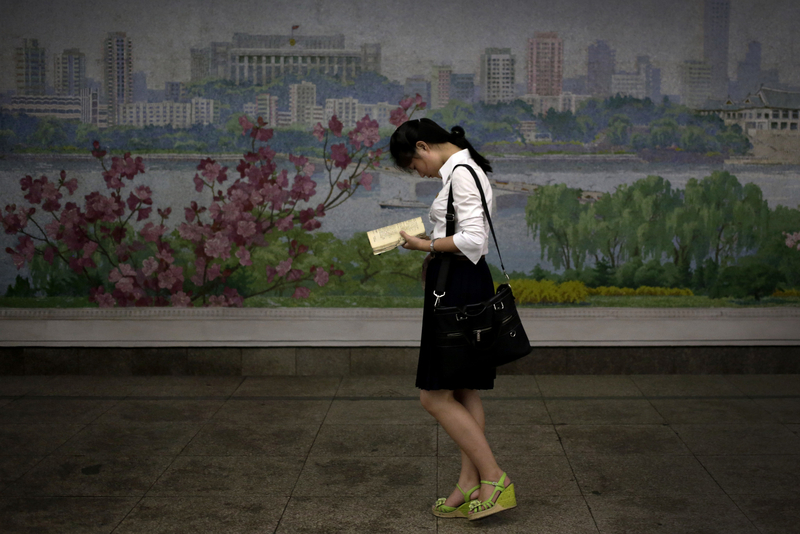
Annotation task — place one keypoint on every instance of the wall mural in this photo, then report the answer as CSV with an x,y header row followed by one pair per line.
x,y
642,157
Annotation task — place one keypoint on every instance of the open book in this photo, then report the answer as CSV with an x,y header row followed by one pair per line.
x,y
388,238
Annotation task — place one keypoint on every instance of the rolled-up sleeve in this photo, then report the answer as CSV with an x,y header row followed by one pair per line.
x,y
470,236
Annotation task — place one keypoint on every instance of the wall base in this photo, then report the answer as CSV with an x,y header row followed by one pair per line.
x,y
341,361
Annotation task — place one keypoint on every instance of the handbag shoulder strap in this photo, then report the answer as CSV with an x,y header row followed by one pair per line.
x,y
485,209
450,220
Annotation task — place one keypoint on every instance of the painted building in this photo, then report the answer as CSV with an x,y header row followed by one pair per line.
x,y
69,72
440,86
117,73
261,59
168,113
418,85
601,67
302,99
563,102
716,24
695,82
498,75
29,60
462,87
545,64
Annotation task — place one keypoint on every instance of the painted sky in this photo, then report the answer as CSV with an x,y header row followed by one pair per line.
x,y
414,34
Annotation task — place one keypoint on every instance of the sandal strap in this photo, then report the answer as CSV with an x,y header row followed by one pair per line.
x,y
466,494
499,486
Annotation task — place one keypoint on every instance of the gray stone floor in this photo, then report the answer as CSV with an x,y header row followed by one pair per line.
x,y
613,454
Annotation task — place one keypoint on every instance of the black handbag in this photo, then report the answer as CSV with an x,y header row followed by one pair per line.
x,y
488,332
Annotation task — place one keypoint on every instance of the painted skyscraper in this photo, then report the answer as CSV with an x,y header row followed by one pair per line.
x,y
602,63
69,72
497,75
545,64
117,73
716,24
440,86
30,66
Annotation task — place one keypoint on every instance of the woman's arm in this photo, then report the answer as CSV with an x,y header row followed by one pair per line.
x,y
444,244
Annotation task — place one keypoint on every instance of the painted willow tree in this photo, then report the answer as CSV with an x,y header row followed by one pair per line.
x,y
716,218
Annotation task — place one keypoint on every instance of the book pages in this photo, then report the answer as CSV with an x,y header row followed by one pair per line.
x,y
388,238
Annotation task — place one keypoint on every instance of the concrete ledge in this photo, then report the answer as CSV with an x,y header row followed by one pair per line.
x,y
381,327
354,361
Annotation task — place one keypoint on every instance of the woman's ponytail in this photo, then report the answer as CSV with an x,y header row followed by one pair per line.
x,y
457,138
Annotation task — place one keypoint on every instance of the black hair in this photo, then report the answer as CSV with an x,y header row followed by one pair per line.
x,y
403,144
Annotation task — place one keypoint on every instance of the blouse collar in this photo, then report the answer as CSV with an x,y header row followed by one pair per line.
x,y
462,156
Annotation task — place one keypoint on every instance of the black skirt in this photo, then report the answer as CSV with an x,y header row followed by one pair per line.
x,y
467,283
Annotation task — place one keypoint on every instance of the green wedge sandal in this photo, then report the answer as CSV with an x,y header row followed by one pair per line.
x,y
440,510
507,499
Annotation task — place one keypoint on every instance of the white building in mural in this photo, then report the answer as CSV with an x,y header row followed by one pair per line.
x,y
345,109
176,114
261,59
302,101
267,108
498,76
69,72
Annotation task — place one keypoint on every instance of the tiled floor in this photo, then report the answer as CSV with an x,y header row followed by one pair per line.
x,y
640,454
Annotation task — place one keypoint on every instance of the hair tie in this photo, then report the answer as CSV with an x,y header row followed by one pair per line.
x,y
456,132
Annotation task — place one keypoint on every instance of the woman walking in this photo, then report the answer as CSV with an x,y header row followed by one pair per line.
x,y
450,392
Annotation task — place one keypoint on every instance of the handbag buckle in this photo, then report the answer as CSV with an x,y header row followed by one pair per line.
x,y
438,298
499,306
460,317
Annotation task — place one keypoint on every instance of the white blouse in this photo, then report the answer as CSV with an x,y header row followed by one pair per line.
x,y
472,228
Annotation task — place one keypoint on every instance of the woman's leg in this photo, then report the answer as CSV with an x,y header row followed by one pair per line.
x,y
466,431
469,477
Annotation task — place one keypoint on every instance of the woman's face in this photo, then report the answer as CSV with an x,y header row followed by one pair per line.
x,y
425,162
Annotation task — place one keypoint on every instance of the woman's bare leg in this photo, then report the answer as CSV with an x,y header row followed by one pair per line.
x,y
467,432
469,477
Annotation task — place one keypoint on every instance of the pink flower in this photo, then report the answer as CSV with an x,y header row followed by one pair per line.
x,y
343,185
127,270
171,277
198,183
71,185
216,301
180,300
149,266
406,103
419,102
283,267
303,188
271,272
294,275
152,232
105,300
321,277
246,228
319,132
366,181
366,132
218,247
233,297
89,248
245,124
301,293
335,126
125,284
24,251
244,257
262,134
340,156
285,224
212,170
398,117
213,272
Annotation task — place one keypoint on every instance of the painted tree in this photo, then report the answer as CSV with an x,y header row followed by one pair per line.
x,y
553,214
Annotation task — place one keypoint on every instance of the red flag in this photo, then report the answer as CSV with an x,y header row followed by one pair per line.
x,y
295,27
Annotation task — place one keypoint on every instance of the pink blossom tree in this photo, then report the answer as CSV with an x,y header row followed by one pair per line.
x,y
260,206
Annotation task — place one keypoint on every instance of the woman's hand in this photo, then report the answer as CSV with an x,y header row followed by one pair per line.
x,y
415,243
